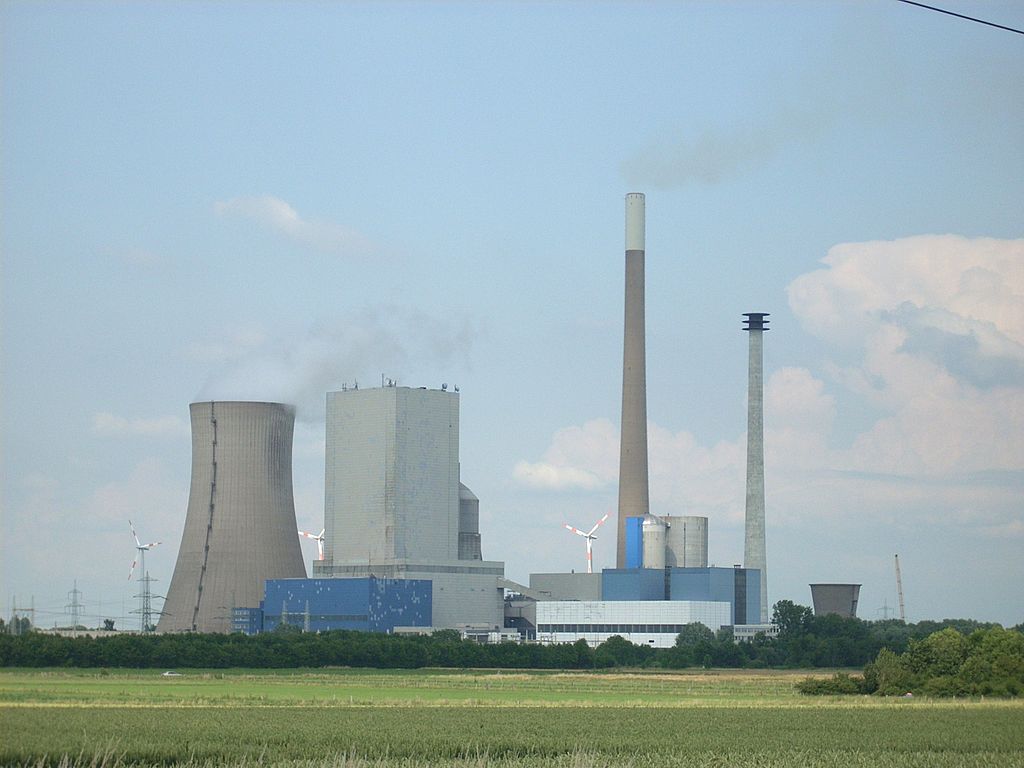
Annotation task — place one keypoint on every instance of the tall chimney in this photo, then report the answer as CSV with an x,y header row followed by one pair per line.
x,y
633,491
753,545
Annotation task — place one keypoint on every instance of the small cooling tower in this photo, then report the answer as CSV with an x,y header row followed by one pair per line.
x,y
840,599
240,525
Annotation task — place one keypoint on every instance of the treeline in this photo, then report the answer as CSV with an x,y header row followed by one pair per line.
x,y
987,662
803,641
286,649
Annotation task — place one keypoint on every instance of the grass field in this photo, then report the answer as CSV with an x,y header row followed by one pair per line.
x,y
360,718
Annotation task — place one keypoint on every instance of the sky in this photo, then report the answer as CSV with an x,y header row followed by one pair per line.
x,y
269,200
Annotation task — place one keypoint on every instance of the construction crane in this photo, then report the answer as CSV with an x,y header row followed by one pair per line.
x,y
899,589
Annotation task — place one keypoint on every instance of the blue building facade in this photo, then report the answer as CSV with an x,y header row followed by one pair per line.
x,y
364,604
248,621
633,583
740,587
634,542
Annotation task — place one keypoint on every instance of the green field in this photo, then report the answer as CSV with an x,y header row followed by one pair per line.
x,y
441,718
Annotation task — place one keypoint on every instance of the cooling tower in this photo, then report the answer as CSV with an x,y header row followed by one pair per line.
x,y
687,542
240,525
840,599
633,489
654,533
754,547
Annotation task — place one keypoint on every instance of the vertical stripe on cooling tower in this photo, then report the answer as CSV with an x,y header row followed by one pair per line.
x,y
209,522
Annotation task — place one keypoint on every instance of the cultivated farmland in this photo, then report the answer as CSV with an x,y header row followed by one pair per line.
x,y
440,718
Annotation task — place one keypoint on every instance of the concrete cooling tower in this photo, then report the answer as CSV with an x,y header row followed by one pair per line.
x,y
240,524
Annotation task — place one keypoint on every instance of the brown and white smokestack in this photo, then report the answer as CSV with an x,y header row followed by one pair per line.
x,y
634,498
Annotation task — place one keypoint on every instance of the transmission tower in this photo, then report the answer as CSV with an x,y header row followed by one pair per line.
x,y
74,607
16,624
899,589
145,598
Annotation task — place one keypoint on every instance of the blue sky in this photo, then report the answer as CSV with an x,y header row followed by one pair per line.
x,y
267,200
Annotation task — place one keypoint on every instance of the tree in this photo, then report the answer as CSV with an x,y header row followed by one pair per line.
x,y
792,620
692,634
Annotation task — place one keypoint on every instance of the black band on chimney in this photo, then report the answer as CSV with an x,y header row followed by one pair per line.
x,y
756,321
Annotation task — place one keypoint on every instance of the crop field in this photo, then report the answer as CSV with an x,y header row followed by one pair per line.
x,y
442,718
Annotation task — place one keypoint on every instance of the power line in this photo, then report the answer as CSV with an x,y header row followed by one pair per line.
x,y
961,16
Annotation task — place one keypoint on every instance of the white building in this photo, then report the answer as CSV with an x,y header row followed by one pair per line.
x,y
645,622
394,506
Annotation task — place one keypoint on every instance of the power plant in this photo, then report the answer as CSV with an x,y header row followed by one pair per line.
x,y
240,522
401,550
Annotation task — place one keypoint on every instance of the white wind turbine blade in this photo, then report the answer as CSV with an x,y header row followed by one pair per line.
x,y
574,530
150,546
132,570
598,524
134,535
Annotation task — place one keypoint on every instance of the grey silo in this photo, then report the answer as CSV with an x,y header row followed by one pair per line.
x,y
687,543
754,554
240,525
634,498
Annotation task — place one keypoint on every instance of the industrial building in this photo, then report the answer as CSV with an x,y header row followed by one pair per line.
x,y
240,521
317,605
566,586
646,623
395,508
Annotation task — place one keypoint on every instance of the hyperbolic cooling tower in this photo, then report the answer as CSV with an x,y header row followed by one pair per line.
x,y
634,500
240,525
840,599
754,546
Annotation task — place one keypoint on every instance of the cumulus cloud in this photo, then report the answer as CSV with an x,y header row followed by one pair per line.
x,y
935,327
112,425
277,215
299,367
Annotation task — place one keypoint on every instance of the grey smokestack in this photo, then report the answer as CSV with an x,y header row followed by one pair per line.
x,y
753,547
634,498
240,522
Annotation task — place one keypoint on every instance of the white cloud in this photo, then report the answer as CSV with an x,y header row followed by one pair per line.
x,y
111,425
276,214
935,325
583,458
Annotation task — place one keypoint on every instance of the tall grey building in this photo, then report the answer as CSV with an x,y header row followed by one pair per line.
x,y
634,498
392,476
240,521
754,555
394,506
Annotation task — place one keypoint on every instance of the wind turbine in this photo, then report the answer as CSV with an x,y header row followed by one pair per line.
x,y
319,539
145,596
142,548
589,536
